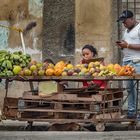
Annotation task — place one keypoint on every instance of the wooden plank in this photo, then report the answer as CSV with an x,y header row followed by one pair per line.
x,y
70,109
112,103
67,78
56,120
111,115
122,78
10,101
65,97
57,110
10,112
11,107
78,120
77,90
51,101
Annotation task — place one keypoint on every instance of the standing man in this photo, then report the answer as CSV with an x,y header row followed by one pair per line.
x,y
130,45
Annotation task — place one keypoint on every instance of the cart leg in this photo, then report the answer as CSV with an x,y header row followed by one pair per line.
x,y
100,127
132,126
29,125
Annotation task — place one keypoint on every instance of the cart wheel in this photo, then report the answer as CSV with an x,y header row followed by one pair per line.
x,y
132,126
29,126
30,123
100,127
3,117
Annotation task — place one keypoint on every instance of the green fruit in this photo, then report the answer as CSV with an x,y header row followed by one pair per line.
x,y
81,73
20,60
7,57
28,56
27,72
2,59
23,65
33,67
16,57
16,70
15,53
39,64
41,72
9,65
23,57
4,64
9,73
3,51
2,74
20,52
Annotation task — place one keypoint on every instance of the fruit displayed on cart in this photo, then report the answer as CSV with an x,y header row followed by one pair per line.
x,y
12,63
17,63
62,68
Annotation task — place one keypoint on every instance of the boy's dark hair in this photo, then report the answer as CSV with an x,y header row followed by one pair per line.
x,y
48,60
91,48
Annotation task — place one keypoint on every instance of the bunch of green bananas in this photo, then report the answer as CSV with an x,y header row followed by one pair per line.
x,y
9,60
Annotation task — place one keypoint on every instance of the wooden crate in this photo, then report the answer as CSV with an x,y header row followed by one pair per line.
x,y
88,96
71,104
10,108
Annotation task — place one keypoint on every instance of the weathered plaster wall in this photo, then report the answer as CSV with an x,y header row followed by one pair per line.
x,y
93,26
19,13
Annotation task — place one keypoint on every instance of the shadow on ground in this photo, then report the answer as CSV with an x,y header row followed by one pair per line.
x,y
17,126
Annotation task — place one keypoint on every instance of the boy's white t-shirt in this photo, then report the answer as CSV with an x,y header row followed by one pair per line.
x,y
132,37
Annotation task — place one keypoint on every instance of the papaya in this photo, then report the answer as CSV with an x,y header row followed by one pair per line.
x,y
60,64
58,72
49,72
117,68
122,71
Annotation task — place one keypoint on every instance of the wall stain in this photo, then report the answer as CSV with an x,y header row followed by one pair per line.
x,y
35,7
4,35
69,41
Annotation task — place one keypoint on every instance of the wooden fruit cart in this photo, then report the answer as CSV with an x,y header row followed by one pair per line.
x,y
95,105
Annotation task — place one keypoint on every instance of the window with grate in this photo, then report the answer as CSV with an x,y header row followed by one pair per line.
x,y
134,6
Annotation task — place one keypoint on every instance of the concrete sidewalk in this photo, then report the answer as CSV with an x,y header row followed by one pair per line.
x,y
115,135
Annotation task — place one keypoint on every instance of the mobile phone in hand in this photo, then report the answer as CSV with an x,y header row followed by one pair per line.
x,y
118,41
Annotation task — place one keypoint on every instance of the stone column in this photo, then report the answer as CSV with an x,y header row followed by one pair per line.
x,y
59,29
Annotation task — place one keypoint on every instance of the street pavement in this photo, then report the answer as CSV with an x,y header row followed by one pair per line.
x,y
37,135
15,130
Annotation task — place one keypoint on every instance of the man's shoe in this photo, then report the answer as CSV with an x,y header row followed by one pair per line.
x,y
138,117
